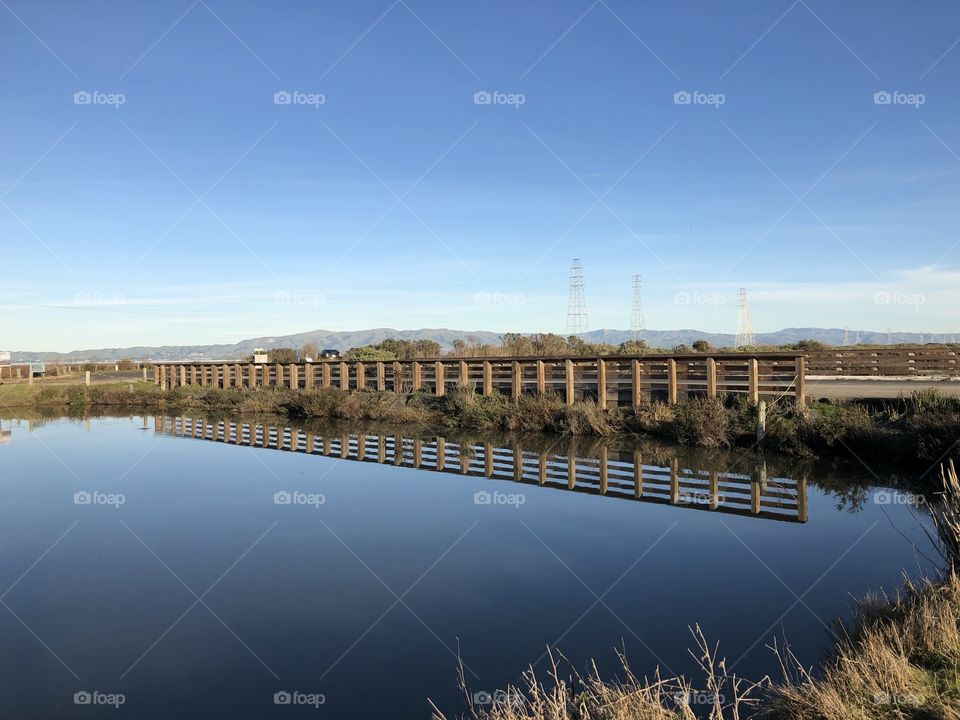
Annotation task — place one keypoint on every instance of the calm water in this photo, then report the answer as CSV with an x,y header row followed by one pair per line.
x,y
170,562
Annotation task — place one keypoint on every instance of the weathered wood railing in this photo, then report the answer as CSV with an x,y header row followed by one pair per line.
x,y
608,381
612,473
917,361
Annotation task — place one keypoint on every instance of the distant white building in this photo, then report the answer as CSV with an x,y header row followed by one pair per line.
x,y
260,356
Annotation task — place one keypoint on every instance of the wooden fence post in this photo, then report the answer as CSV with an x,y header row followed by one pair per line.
x,y
637,474
325,379
381,377
440,385
344,376
802,500
570,381
361,375
674,480
636,375
801,382
516,383
397,377
672,381
294,376
602,383
308,380
754,380
417,376
604,474
487,378
464,374
541,377
761,420
711,377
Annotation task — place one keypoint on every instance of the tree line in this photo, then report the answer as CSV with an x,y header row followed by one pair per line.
x,y
517,345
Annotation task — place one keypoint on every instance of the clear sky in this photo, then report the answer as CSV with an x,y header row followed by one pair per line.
x,y
180,200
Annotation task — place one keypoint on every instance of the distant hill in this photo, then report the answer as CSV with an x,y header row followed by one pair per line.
x,y
446,337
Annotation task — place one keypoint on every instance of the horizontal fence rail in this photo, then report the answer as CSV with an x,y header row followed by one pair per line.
x,y
892,362
610,473
608,381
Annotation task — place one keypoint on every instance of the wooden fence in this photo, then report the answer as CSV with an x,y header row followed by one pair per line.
x,y
910,362
608,381
623,474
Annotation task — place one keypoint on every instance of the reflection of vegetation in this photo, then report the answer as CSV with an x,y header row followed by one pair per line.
x,y
905,433
898,659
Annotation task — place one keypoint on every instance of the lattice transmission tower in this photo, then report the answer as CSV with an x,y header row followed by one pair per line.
x,y
577,307
744,321
637,321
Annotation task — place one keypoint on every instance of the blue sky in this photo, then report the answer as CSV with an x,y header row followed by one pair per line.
x,y
182,204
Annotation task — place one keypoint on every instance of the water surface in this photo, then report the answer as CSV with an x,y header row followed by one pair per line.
x,y
183,565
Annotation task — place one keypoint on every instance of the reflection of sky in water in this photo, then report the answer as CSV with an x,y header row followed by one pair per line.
x,y
374,588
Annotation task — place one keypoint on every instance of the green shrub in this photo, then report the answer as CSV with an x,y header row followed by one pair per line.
x,y
704,422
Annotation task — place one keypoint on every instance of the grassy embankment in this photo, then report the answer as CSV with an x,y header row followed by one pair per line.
x,y
900,659
910,432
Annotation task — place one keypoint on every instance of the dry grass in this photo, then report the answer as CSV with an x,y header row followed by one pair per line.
x,y
573,696
901,660
946,516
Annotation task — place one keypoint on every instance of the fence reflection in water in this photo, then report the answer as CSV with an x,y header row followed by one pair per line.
x,y
608,472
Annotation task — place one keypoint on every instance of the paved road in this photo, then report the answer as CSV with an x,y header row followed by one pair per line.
x,y
845,388
98,378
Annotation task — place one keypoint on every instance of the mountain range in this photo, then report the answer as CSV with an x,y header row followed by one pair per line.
x,y
343,340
